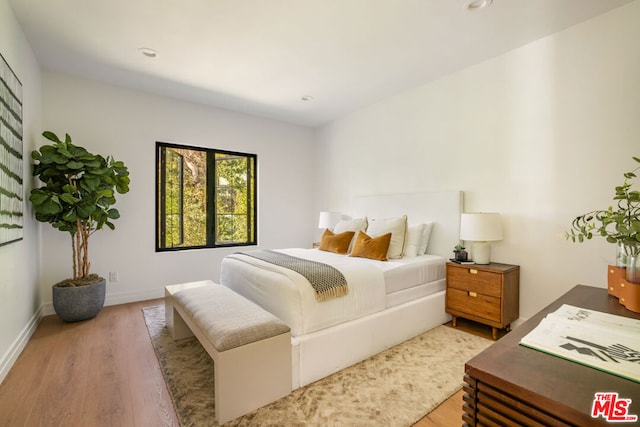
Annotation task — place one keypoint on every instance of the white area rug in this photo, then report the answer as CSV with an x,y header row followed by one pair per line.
x,y
394,388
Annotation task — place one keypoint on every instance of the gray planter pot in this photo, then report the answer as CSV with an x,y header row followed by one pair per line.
x,y
77,303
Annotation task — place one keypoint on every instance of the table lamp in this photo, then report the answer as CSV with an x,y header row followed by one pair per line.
x,y
328,219
480,228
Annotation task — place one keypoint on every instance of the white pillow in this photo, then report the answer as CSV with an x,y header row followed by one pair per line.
x,y
413,242
353,224
425,238
396,226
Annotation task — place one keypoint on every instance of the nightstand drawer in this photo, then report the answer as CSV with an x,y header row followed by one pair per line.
x,y
474,280
470,302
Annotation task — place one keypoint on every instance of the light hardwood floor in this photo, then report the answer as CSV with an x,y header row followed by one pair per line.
x,y
103,372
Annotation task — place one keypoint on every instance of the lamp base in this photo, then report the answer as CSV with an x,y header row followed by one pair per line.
x,y
481,252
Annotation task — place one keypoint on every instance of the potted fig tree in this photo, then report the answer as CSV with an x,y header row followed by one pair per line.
x,y
76,197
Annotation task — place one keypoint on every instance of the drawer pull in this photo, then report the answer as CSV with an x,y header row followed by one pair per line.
x,y
473,294
473,271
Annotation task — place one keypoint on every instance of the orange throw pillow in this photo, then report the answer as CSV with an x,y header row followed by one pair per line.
x,y
373,248
337,243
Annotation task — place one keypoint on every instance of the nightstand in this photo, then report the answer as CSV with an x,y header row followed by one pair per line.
x,y
487,293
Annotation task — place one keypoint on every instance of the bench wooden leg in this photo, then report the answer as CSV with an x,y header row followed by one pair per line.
x,y
178,329
251,376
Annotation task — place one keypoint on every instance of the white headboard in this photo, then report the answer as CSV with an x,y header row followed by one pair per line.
x,y
441,207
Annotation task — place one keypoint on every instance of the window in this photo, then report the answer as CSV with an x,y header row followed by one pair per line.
x,y
205,198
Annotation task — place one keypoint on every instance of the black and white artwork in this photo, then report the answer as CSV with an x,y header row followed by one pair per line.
x,y
11,178
603,341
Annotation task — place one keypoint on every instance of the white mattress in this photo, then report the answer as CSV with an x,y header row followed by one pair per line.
x,y
412,294
408,272
288,295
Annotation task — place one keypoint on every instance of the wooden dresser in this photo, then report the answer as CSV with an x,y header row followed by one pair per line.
x,y
511,385
488,294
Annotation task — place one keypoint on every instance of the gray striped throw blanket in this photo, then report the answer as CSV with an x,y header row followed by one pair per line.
x,y
326,280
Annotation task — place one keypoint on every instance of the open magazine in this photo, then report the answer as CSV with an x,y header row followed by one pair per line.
x,y
599,340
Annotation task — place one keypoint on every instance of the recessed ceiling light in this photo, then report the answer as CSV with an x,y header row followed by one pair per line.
x,y
307,98
473,5
148,52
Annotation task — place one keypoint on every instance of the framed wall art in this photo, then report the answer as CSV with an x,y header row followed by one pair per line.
x,y
11,177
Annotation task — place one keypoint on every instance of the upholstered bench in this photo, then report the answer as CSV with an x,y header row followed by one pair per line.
x,y
250,348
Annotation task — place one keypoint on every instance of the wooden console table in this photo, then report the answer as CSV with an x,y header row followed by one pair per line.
x,y
512,385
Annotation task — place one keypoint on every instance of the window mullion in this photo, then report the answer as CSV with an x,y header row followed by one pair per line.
x,y
212,191
249,199
161,219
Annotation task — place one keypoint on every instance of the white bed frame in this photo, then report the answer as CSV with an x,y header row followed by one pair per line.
x,y
322,353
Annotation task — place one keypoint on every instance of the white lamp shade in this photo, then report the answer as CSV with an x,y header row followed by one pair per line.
x,y
328,219
480,227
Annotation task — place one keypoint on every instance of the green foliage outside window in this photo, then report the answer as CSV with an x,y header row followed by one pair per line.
x,y
202,189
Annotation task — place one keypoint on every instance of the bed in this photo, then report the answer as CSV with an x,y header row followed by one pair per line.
x,y
387,302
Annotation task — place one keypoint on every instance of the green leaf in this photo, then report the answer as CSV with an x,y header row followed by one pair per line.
x,y
91,163
68,198
70,216
59,159
80,153
105,193
99,171
38,196
85,208
47,157
90,183
50,149
122,184
75,165
51,206
113,213
65,152
51,136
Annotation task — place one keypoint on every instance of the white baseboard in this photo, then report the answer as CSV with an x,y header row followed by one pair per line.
x,y
10,357
116,298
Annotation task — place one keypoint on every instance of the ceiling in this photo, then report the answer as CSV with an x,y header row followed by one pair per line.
x,y
263,56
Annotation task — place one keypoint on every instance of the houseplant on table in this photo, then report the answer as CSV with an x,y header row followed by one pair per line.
x,y
76,198
618,224
459,253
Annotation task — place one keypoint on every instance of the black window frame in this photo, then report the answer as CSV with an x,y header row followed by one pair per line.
x,y
211,190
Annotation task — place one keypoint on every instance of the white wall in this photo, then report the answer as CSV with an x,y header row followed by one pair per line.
x,y
540,134
20,261
126,124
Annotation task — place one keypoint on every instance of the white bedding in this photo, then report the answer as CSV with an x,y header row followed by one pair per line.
x,y
408,272
289,296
